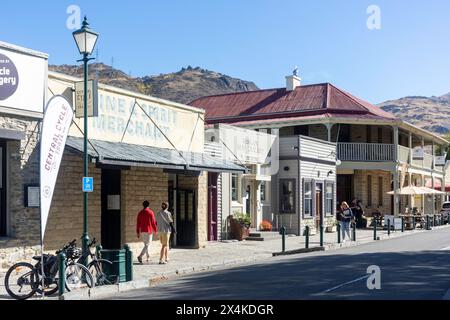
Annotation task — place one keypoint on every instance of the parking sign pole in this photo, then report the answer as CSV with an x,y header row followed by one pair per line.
x,y
85,237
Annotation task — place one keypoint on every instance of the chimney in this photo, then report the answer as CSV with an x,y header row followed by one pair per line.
x,y
293,81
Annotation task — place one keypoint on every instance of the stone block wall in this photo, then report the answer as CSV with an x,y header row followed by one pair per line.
x,y
65,221
200,184
361,189
139,184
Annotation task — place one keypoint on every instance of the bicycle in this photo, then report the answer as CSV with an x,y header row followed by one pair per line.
x,y
24,275
96,266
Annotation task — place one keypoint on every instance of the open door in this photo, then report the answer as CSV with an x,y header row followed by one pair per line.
x,y
111,209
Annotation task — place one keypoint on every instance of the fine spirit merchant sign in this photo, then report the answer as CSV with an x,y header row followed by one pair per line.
x,y
57,120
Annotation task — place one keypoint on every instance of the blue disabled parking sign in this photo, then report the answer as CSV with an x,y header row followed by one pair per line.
x,y
88,184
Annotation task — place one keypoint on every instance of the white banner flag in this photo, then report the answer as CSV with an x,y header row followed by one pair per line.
x,y
57,120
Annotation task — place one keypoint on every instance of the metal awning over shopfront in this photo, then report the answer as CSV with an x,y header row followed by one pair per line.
x,y
124,154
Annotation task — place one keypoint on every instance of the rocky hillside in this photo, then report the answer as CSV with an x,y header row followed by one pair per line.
x,y
430,113
182,86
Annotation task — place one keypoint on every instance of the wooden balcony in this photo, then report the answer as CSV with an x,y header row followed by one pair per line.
x,y
366,152
376,152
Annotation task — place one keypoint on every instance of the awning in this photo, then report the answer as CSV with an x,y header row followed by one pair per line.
x,y
125,154
413,190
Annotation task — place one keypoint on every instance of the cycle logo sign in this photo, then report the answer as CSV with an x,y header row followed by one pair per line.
x,y
9,77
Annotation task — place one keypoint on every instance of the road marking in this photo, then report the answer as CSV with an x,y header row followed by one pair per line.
x,y
345,284
446,248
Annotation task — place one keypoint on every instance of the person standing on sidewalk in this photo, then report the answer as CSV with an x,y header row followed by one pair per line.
x,y
165,227
145,226
346,218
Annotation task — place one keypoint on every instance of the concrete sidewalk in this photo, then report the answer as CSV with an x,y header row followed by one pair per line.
x,y
218,255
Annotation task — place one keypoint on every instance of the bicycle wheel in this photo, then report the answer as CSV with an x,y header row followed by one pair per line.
x,y
50,286
97,269
20,281
78,276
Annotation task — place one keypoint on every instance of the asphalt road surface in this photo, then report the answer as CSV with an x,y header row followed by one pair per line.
x,y
412,267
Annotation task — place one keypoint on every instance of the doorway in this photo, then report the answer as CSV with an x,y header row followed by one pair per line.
x,y
344,190
319,204
212,206
111,209
186,215
3,220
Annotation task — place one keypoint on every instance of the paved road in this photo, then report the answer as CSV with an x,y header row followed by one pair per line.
x,y
412,267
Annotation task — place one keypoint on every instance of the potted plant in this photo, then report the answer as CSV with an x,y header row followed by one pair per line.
x,y
240,226
265,226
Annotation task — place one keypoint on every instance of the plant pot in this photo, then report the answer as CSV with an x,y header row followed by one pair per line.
x,y
331,229
238,231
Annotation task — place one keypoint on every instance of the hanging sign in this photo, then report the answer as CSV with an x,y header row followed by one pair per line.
x,y
92,99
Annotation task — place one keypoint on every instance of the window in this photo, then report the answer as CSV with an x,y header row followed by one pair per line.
x,y
380,135
369,191
287,196
263,191
329,199
380,191
234,187
307,198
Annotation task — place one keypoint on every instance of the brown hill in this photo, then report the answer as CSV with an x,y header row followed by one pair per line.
x,y
430,113
183,86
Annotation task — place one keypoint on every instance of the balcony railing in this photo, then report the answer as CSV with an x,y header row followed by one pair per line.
x,y
375,152
213,149
365,152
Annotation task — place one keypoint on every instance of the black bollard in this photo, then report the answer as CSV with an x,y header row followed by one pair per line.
x,y
403,224
307,237
338,228
375,222
354,231
389,227
283,239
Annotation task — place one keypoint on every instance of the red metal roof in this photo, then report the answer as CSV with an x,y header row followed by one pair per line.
x,y
307,100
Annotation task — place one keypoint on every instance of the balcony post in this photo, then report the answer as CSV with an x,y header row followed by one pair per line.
x,y
329,127
396,182
410,148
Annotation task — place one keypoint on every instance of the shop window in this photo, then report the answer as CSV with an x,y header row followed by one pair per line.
x,y
287,196
307,198
263,191
329,198
234,187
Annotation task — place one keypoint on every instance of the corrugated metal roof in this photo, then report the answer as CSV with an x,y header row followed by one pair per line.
x,y
123,153
306,100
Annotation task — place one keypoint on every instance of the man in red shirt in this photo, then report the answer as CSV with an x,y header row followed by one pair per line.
x,y
146,225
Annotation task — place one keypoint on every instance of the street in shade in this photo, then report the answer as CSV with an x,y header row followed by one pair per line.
x,y
413,267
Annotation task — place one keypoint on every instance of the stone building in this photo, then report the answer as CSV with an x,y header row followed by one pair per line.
x,y
23,75
140,148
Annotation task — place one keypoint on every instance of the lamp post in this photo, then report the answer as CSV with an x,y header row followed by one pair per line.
x,y
85,40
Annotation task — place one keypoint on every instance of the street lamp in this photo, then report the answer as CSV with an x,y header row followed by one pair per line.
x,y
85,39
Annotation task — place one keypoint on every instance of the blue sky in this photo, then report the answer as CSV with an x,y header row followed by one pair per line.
x,y
257,40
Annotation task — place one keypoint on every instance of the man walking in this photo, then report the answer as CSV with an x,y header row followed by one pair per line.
x,y
165,225
145,226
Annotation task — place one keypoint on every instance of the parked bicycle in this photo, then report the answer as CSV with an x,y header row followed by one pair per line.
x,y
23,280
97,266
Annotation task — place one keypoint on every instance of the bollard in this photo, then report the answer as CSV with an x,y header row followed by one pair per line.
x,y
428,223
307,237
338,228
389,227
403,224
321,235
375,222
283,239
128,263
354,231
62,272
